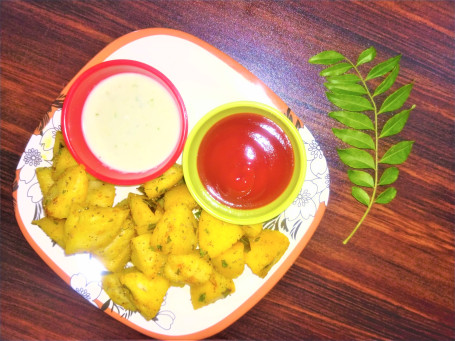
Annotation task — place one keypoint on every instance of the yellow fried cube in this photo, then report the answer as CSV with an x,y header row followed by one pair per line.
x,y
116,291
62,161
100,193
147,293
145,257
116,254
45,180
71,187
59,143
266,249
175,232
90,228
145,213
231,262
54,228
189,268
252,230
216,236
156,187
179,195
215,288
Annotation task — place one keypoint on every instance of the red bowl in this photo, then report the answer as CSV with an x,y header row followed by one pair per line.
x,y
72,127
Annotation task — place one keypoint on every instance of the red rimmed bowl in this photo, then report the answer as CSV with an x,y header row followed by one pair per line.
x,y
124,121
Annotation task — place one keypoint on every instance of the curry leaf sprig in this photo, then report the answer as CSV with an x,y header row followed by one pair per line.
x,y
360,104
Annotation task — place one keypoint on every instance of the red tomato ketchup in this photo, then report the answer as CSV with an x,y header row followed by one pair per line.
x,y
245,161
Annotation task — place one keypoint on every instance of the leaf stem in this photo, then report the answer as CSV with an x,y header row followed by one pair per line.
x,y
376,156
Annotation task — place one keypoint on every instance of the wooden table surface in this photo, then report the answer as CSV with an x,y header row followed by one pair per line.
x,y
393,280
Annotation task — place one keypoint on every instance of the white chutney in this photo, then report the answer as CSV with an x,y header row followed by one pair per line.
x,y
131,122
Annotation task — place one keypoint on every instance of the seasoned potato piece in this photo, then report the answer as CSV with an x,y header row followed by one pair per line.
x,y
231,262
62,161
145,213
116,254
147,259
175,232
179,195
116,291
189,269
59,143
100,193
90,228
252,230
148,293
156,187
71,187
216,236
45,180
54,228
215,288
266,249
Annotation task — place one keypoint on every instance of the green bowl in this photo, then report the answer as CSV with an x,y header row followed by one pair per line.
x,y
239,215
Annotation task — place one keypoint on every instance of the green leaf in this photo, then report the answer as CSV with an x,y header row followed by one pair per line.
x,y
387,196
354,138
387,82
398,153
346,88
326,58
349,102
353,119
361,178
361,195
356,158
396,100
366,56
345,78
384,67
389,176
396,123
336,69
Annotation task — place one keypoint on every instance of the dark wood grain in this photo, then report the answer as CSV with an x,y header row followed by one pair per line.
x,y
394,280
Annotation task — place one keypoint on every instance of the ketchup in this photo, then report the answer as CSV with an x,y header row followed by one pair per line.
x,y
245,161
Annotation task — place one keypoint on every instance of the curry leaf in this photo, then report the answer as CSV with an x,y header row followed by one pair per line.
x,y
336,69
366,56
356,158
346,88
388,81
360,195
396,99
353,119
389,176
354,138
396,123
359,110
387,196
344,78
361,178
349,102
382,68
398,153
326,58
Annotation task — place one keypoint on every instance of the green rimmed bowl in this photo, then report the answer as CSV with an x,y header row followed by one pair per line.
x,y
218,208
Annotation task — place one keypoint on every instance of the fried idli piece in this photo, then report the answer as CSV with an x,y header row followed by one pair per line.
x,y
116,290
179,195
175,233
265,250
146,258
147,293
88,229
216,236
217,287
70,188
156,187
231,262
189,268
145,212
54,228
